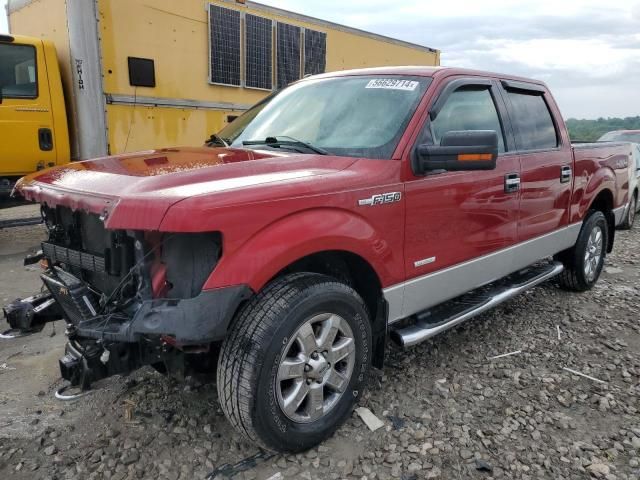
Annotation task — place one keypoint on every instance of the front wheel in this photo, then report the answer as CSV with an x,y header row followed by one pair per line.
x,y
295,362
583,263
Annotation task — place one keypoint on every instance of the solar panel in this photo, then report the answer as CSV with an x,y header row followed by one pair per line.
x,y
224,25
315,52
258,54
288,54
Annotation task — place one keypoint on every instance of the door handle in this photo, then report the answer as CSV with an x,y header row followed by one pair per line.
x,y
45,139
565,174
511,182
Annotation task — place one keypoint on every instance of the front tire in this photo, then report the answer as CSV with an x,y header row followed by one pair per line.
x,y
583,263
295,362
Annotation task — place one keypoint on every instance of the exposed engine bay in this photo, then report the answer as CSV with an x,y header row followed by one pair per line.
x,y
129,298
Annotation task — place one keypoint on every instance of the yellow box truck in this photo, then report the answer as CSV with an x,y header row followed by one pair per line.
x,y
88,78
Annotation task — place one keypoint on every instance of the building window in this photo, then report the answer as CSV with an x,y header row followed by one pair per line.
x,y
288,54
224,25
258,54
315,52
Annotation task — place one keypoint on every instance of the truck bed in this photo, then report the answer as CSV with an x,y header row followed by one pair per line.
x,y
590,157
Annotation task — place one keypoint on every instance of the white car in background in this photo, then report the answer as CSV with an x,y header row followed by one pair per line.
x,y
632,136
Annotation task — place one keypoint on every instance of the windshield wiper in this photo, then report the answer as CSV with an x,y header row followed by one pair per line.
x,y
216,139
284,141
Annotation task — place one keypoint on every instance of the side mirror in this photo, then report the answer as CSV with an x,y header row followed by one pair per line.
x,y
460,150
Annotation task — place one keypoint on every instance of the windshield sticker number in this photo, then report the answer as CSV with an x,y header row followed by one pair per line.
x,y
393,84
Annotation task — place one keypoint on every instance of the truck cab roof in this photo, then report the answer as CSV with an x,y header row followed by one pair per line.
x,y
425,71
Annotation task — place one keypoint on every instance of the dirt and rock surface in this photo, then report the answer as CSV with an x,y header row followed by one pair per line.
x,y
450,410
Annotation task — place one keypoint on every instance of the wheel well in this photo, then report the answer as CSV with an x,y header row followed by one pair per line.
x,y
604,203
358,274
346,267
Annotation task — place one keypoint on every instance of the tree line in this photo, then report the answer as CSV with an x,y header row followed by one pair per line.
x,y
592,130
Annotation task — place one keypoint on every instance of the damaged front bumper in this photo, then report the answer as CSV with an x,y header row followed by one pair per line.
x,y
193,321
150,332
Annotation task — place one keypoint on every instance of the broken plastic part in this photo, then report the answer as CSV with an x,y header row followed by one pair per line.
x,y
30,314
104,358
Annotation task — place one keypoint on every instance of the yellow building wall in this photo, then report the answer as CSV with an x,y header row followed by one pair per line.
x,y
141,128
175,34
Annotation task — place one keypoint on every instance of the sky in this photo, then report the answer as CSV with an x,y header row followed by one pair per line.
x,y
588,51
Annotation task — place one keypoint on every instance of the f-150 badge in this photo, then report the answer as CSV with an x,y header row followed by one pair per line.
x,y
380,199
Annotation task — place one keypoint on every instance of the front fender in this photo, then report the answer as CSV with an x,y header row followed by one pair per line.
x,y
301,234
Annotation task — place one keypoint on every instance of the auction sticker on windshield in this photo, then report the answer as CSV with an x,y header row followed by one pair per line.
x,y
393,84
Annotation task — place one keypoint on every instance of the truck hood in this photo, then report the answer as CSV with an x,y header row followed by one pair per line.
x,y
136,190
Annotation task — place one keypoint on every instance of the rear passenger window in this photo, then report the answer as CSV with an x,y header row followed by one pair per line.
x,y
533,123
467,109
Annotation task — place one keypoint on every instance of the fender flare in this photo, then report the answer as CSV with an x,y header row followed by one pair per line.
x,y
603,179
607,185
296,236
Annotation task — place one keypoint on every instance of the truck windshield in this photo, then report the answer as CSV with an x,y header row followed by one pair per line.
x,y
362,116
18,71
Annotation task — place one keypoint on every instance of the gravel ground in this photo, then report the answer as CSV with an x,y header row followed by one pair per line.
x,y
450,411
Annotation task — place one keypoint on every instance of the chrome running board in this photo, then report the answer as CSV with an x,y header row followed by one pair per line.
x,y
453,312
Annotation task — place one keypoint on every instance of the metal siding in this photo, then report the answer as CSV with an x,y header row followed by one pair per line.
x,y
175,35
144,127
87,78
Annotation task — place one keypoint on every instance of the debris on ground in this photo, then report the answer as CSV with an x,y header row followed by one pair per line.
x,y
483,466
522,417
575,372
506,355
370,420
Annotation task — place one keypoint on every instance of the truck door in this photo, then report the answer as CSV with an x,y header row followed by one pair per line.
x,y
546,164
26,120
456,221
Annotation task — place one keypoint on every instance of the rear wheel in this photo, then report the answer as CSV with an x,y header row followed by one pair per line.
x,y
295,362
583,263
631,214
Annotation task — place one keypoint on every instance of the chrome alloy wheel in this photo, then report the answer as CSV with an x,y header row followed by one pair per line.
x,y
315,368
593,253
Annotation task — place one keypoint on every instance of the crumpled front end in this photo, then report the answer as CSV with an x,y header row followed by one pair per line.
x,y
131,297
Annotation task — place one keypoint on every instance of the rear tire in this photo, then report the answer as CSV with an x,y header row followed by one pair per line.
x,y
583,263
631,214
295,362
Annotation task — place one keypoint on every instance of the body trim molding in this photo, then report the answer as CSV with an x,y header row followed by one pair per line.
x,y
421,293
114,99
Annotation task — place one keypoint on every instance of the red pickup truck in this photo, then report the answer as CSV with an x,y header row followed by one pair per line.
x,y
344,210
